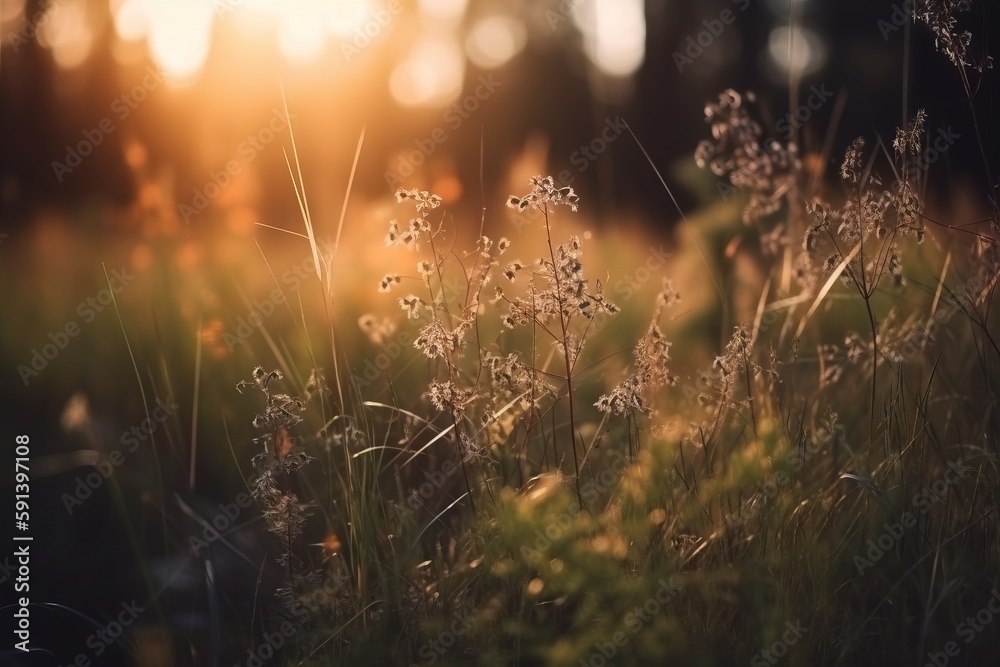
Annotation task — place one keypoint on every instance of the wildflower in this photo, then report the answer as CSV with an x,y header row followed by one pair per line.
x,y
447,397
544,192
378,331
650,372
388,280
668,296
411,304
425,269
765,168
392,237
422,198
939,15
909,140
436,341
851,168
510,271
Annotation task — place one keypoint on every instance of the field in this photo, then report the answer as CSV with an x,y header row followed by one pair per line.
x,y
439,430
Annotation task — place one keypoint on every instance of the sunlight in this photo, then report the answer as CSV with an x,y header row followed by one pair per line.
x,y
494,40
346,16
431,76
614,34
178,34
131,19
11,10
67,33
302,35
445,10
806,55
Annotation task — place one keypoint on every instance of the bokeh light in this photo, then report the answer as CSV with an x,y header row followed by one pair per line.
x,y
794,51
494,40
614,33
443,10
430,76
302,35
66,32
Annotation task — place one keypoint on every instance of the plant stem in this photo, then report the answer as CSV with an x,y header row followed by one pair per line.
x,y
871,321
566,354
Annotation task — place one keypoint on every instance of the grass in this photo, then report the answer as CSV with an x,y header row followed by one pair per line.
x,y
762,512
535,467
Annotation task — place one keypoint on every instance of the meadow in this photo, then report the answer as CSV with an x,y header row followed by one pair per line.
x,y
415,436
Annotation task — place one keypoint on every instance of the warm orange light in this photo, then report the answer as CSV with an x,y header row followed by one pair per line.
x,y
332,545
135,155
494,40
66,32
449,188
431,76
302,37
443,9
141,256
179,36
11,10
189,256
131,19
614,34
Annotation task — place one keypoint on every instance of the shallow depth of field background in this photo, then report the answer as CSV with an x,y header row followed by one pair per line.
x,y
149,138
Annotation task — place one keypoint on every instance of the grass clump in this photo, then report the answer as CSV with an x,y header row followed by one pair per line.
x,y
822,489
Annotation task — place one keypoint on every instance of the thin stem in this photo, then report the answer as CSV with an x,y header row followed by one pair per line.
x,y
566,353
871,321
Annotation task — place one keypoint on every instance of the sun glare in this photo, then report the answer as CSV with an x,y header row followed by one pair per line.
x,y
430,76
67,33
302,36
179,34
445,10
614,34
494,40
798,51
